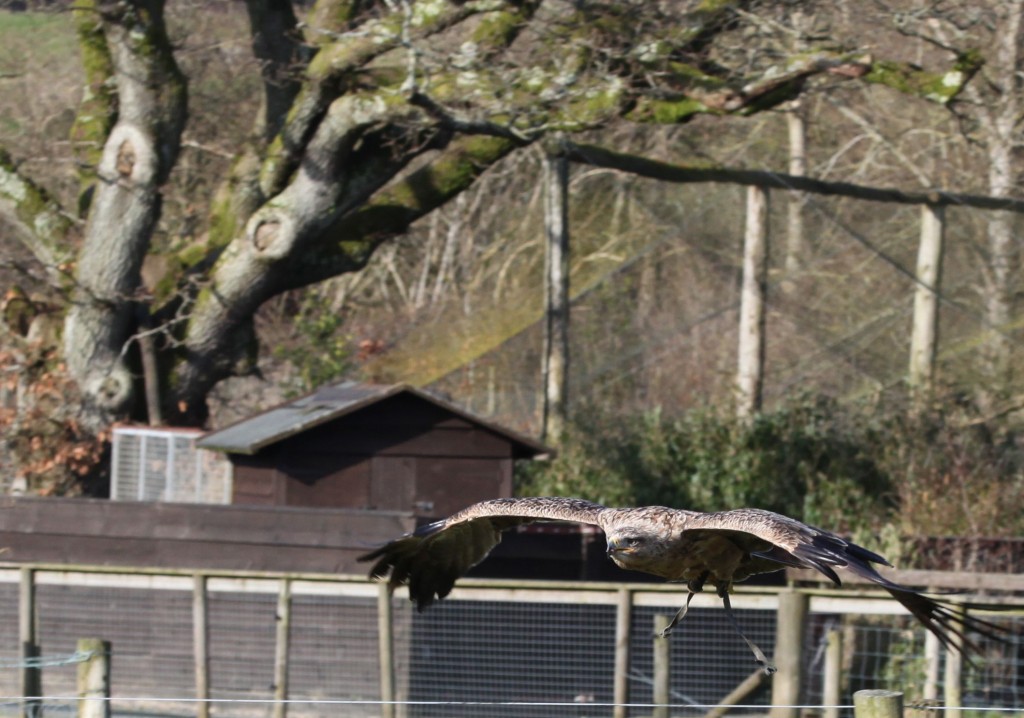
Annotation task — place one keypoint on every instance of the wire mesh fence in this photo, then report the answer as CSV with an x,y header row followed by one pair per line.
x,y
493,649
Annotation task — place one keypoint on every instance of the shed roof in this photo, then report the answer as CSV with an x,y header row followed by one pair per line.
x,y
330,402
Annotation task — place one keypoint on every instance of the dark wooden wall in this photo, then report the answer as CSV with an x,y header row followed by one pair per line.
x,y
165,535
98,532
401,454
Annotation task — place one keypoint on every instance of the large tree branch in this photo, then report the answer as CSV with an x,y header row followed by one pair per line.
x,y
365,113
702,172
275,43
137,158
341,66
41,224
348,159
347,244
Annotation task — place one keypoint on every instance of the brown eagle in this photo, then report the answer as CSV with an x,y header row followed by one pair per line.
x,y
688,546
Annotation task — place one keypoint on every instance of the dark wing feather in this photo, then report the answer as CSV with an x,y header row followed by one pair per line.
x,y
432,558
795,544
937,616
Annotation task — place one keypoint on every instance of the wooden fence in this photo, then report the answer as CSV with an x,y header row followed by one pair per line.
x,y
791,606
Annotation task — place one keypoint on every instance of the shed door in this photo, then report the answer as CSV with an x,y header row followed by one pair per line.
x,y
445,485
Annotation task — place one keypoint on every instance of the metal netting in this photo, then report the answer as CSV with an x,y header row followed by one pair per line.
x,y
707,658
502,650
150,630
334,652
471,651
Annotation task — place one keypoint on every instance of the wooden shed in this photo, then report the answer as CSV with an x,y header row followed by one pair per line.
x,y
372,447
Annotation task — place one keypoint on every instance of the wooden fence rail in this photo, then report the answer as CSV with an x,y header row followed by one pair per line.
x,y
792,605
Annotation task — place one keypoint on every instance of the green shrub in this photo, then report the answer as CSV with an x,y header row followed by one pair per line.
x,y
809,460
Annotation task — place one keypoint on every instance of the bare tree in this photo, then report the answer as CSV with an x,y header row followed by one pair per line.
x,y
989,116
374,114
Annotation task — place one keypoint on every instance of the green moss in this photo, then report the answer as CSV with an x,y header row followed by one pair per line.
x,y
498,29
36,209
223,223
192,254
707,7
668,112
392,209
270,170
97,111
692,76
596,105
937,87
969,62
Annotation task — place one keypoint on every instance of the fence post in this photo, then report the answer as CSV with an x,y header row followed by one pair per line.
x,y
932,661
386,648
833,672
662,668
31,674
284,622
877,703
201,644
750,367
926,304
953,689
623,619
94,678
789,643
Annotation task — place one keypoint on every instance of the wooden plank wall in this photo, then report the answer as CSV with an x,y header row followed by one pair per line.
x,y
166,535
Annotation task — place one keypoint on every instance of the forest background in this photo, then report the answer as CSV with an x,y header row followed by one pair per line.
x,y
445,290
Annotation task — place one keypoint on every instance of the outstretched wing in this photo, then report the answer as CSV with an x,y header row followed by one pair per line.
x,y
774,541
430,559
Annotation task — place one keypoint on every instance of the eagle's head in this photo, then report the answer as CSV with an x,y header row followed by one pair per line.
x,y
635,548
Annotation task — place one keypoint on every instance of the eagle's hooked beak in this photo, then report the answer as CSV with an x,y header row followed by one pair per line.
x,y
617,545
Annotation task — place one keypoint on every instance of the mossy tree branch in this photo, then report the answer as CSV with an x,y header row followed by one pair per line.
x,y
386,111
41,224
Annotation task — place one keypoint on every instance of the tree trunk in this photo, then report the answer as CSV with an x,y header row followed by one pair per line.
x,y
924,333
750,373
137,156
556,297
795,245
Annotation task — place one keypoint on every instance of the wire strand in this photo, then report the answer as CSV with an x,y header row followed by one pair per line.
x,y
521,704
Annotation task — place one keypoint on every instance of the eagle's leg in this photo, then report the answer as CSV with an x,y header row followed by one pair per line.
x,y
694,587
759,657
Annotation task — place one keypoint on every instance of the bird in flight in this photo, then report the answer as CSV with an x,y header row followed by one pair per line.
x,y
695,548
